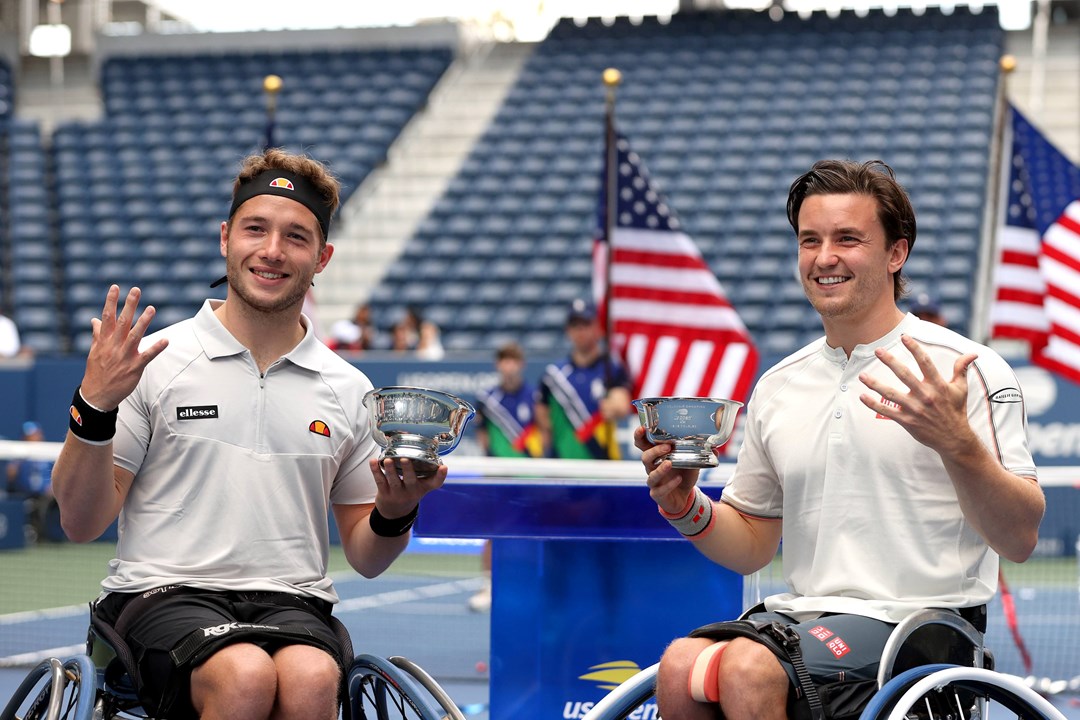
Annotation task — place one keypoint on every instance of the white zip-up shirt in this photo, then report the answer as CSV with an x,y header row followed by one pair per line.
x,y
872,524
235,471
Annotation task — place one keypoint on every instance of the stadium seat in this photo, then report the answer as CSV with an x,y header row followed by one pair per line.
x,y
733,117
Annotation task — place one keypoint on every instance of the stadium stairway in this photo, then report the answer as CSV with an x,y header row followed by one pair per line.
x,y
382,215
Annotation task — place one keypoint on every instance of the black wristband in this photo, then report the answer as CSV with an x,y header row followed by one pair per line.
x,y
392,527
88,423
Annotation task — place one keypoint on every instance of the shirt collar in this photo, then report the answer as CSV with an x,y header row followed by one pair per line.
x,y
861,352
217,341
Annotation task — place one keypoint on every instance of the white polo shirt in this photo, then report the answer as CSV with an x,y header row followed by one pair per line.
x,y
235,471
872,524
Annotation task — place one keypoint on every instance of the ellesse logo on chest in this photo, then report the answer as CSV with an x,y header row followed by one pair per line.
x,y
197,412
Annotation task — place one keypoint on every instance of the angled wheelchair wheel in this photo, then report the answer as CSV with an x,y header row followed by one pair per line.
x,y
633,697
446,705
55,690
380,690
941,692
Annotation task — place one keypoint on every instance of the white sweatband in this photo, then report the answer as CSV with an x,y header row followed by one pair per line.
x,y
696,519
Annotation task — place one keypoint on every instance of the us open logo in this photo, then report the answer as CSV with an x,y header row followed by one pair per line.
x,y
197,412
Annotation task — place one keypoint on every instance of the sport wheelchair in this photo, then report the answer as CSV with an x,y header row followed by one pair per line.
x,y
97,686
911,684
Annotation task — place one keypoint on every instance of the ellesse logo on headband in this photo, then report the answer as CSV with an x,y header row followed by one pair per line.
x,y
282,183
197,412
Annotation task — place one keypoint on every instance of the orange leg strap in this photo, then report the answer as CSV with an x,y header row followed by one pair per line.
x,y
705,675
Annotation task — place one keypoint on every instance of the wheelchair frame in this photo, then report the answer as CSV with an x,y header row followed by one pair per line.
x,y
897,696
84,687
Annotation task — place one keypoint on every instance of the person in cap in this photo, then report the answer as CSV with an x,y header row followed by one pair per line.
x,y
927,308
581,398
222,443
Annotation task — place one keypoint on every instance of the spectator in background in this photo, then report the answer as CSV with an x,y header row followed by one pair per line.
x,y
345,337
32,479
400,335
429,344
582,398
925,307
354,335
505,428
412,333
10,345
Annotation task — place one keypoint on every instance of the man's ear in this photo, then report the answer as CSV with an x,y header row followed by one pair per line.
x,y
899,254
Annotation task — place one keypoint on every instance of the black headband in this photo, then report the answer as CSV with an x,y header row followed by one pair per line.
x,y
284,184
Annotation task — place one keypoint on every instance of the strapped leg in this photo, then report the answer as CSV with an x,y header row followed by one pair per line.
x,y
704,676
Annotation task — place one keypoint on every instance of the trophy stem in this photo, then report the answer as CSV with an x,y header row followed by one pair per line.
x,y
421,451
689,455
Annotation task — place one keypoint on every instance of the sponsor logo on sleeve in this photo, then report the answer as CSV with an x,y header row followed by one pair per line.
x,y
1007,395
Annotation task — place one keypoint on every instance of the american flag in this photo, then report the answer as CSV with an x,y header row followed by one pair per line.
x,y
1037,276
671,322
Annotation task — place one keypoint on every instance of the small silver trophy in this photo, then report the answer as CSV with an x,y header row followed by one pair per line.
x,y
696,426
416,423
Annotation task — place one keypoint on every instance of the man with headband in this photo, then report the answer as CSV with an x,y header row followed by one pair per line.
x,y
222,443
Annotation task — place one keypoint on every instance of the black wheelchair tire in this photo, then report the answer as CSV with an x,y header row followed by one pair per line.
x,y
77,685
379,690
984,684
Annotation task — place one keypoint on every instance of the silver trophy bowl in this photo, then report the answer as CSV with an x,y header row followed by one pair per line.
x,y
416,423
696,426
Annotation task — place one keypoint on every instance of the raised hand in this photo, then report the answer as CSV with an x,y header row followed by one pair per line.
x,y
115,363
397,493
933,410
668,486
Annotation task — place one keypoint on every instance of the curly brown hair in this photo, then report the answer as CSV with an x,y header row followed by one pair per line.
x,y
328,186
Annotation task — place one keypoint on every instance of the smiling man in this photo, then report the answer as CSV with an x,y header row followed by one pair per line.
x,y
890,455
222,443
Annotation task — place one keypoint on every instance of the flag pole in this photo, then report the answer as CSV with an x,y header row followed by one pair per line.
x,y
612,77
995,192
271,86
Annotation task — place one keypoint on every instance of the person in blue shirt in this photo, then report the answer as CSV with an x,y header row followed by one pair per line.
x,y
32,479
582,398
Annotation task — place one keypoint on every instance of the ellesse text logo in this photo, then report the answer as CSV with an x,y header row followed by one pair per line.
x,y
1007,395
196,412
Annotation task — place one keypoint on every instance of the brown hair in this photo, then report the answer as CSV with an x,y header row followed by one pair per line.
x,y
873,178
510,350
326,185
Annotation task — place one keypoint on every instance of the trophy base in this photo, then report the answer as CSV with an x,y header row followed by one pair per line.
x,y
694,457
425,461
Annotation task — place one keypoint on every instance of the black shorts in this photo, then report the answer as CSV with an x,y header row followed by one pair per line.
x,y
172,630
842,654
837,647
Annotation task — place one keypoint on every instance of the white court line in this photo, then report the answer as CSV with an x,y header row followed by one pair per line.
x,y
33,658
393,597
45,614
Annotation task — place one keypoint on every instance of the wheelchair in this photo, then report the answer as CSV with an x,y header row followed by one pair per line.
x,y
97,685
961,682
